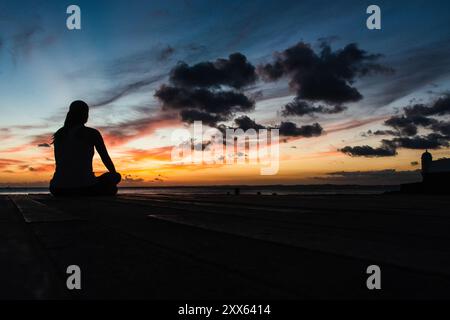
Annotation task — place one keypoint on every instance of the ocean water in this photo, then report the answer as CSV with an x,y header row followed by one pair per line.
x,y
264,190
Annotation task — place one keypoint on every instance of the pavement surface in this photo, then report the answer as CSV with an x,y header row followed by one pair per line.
x,y
225,247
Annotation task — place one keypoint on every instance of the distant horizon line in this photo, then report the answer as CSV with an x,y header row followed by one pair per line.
x,y
228,186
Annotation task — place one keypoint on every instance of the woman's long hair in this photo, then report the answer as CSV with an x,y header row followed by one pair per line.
x,y
78,115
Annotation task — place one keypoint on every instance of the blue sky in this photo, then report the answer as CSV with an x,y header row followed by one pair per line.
x,y
44,66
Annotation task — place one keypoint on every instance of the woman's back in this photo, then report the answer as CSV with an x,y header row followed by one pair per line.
x,y
74,150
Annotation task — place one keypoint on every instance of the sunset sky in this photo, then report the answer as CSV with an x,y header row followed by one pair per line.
x,y
385,92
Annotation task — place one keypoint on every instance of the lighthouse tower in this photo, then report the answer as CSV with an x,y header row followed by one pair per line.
x,y
427,160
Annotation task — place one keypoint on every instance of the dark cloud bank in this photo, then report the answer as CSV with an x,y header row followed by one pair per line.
x,y
209,91
300,107
404,130
213,92
287,129
326,77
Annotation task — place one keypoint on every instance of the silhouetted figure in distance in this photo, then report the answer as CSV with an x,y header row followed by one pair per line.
x,y
74,145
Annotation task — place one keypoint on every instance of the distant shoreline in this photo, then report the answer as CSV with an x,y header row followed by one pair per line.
x,y
266,186
232,185
243,189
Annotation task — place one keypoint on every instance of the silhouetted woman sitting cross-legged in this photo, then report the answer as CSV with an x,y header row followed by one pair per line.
x,y
74,149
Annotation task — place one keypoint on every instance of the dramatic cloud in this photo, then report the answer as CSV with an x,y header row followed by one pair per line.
x,y
381,133
286,129
439,107
442,126
388,148
290,129
430,141
191,115
300,108
368,151
209,91
325,76
245,123
406,130
222,103
405,126
418,115
234,72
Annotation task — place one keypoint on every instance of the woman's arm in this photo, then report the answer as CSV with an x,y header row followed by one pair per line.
x,y
101,149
